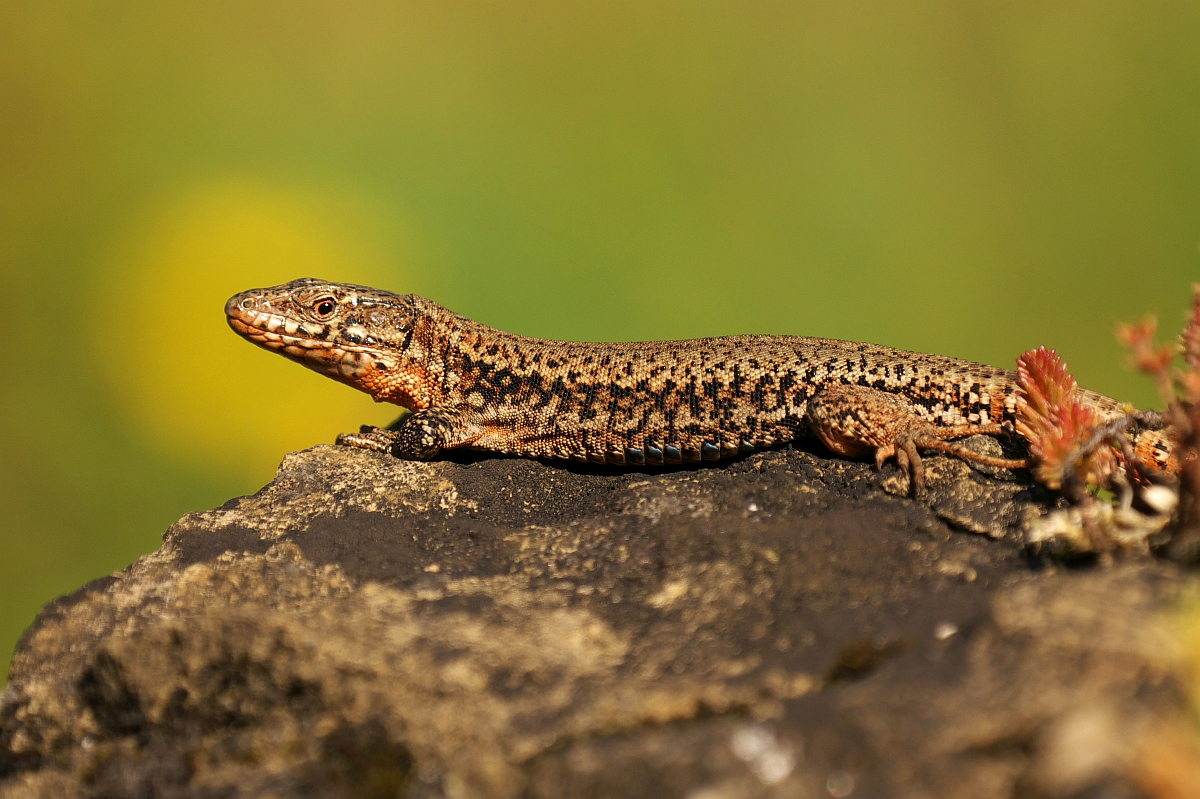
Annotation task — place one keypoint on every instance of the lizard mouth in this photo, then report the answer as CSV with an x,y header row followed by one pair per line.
x,y
273,331
296,341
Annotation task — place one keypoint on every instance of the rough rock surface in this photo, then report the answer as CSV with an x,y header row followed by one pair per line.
x,y
784,625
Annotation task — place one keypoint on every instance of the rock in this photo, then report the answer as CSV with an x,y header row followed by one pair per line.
x,y
783,625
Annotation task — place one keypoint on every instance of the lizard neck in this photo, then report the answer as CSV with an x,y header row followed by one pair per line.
x,y
422,374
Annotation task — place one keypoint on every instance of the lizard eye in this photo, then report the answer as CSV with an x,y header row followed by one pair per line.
x,y
324,306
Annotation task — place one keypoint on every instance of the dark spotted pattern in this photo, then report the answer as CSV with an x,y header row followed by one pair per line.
x,y
642,403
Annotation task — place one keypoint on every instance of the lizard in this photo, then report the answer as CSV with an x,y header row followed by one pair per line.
x,y
634,404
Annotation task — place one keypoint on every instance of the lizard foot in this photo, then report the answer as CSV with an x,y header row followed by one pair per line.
x,y
857,421
376,439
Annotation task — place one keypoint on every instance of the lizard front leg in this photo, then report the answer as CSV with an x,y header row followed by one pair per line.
x,y
420,436
856,421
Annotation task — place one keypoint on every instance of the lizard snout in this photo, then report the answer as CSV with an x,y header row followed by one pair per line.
x,y
239,303
250,314
250,308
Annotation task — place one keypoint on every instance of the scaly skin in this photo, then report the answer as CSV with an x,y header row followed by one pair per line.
x,y
650,402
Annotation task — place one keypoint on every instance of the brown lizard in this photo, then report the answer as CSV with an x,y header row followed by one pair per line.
x,y
642,403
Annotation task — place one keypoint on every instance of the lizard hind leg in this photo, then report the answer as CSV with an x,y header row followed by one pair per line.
x,y
965,454
858,421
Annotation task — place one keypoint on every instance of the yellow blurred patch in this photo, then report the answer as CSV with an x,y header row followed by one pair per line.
x,y
195,389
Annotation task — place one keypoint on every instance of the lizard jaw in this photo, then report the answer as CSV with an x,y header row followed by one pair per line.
x,y
364,368
294,341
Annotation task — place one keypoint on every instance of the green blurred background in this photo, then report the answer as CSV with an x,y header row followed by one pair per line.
x,y
968,178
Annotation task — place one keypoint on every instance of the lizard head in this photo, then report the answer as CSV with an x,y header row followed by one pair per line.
x,y
360,336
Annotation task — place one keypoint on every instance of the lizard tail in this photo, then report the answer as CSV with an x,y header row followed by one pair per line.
x,y
1152,447
1155,448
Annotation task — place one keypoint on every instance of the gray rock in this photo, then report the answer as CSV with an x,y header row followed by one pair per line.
x,y
784,625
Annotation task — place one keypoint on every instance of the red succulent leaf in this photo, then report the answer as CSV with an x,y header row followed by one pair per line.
x,y
1138,335
1190,338
1055,421
1189,386
1045,379
1150,357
